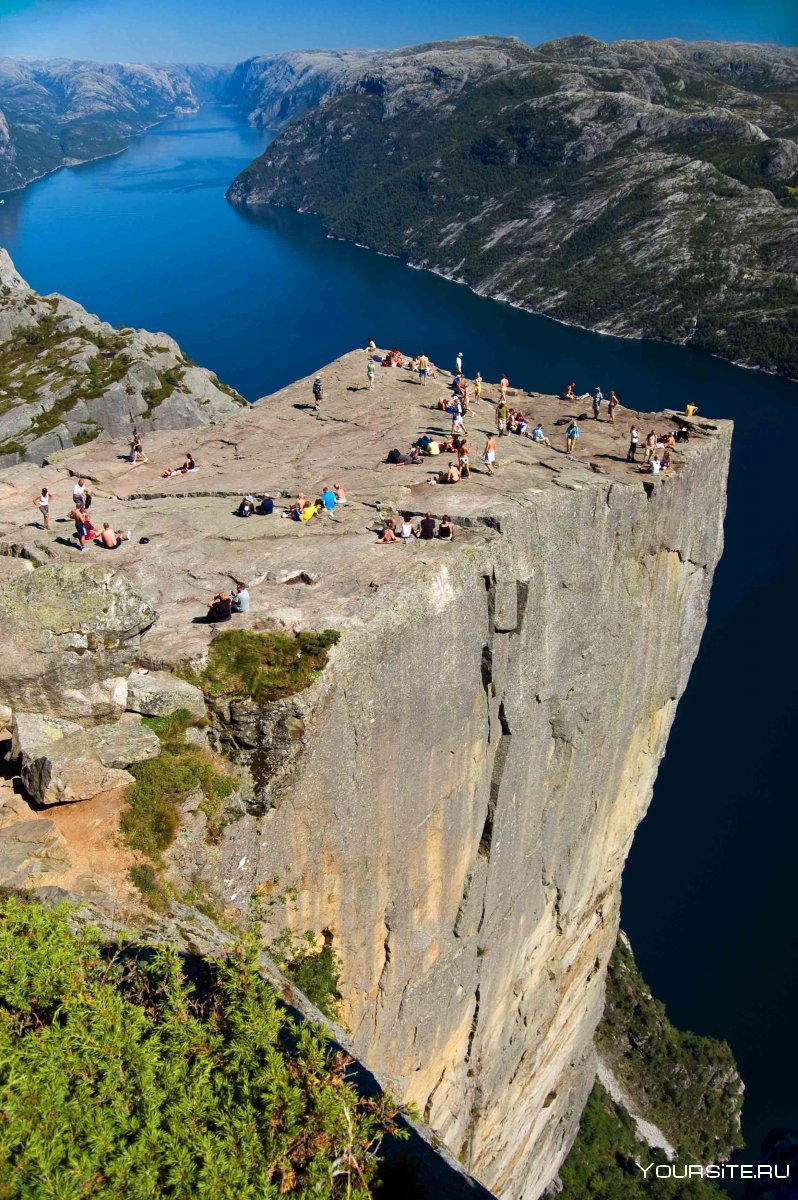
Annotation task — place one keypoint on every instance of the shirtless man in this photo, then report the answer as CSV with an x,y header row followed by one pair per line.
x,y
110,538
489,453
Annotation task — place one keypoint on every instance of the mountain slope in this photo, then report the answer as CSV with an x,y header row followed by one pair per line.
x,y
59,112
67,378
638,188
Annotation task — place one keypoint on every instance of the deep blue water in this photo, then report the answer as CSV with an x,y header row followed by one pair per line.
x,y
147,239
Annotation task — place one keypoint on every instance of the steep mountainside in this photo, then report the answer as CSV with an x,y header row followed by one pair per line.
x,y
638,188
58,112
66,377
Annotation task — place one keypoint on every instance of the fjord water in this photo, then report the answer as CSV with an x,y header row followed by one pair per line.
x,y
147,239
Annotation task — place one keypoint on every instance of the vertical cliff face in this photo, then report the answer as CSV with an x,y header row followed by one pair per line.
x,y
481,754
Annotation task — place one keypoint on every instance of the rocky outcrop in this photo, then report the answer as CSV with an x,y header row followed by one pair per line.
x,y
454,796
157,694
60,761
67,378
59,112
71,635
590,181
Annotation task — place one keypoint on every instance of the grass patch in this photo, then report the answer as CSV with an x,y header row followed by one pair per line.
x,y
264,666
88,434
168,382
144,877
228,391
150,821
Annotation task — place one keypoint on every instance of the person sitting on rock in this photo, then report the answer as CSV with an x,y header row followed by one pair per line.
x,y
265,506
247,506
220,608
445,529
310,509
240,598
188,464
340,494
328,499
539,436
452,474
111,539
426,527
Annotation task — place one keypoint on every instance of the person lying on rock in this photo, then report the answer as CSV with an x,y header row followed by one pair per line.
x,y
111,539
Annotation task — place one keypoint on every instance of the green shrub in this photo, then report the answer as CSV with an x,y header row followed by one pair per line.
x,y
126,1076
686,1084
315,972
602,1161
264,666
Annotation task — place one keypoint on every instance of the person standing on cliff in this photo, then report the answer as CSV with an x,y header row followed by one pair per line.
x,y
651,446
612,404
597,399
489,453
502,413
477,388
318,392
370,374
423,369
571,435
42,502
458,363
634,440
504,383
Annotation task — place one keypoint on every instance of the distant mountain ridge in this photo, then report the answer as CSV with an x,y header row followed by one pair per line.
x,y
637,188
57,112
647,189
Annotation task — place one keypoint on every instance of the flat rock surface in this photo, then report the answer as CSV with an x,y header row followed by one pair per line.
x,y
330,572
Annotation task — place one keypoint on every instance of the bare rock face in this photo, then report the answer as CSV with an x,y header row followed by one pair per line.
x,y
69,634
157,694
60,761
67,378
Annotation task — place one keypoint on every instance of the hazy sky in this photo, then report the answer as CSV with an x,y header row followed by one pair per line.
x,y
229,30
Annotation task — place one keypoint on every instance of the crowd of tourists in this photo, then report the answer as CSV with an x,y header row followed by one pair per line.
x,y
86,531
460,402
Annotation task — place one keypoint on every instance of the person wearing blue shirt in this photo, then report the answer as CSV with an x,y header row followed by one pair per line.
x,y
328,498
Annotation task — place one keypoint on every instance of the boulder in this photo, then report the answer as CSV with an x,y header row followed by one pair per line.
x,y
157,694
70,635
60,761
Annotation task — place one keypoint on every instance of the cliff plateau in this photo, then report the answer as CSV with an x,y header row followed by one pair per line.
x,y
454,796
